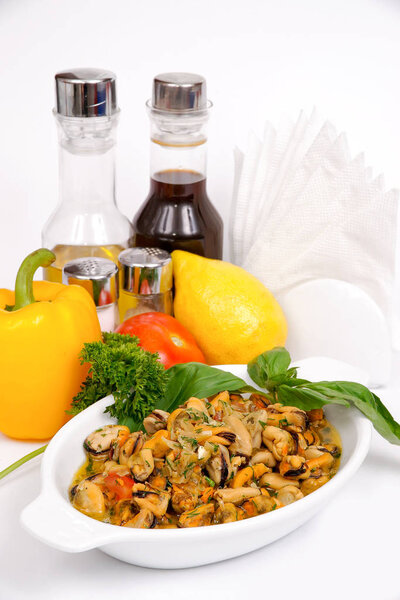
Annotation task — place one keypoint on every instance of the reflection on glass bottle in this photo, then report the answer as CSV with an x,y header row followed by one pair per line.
x,y
177,213
87,221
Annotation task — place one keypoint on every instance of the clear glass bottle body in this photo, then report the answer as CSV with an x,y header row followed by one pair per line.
x,y
177,213
86,221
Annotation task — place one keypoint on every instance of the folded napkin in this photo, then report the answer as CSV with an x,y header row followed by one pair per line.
x,y
305,209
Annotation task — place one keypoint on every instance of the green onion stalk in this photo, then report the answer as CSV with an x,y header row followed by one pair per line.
x,y
21,461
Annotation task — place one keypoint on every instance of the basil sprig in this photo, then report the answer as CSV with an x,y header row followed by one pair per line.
x,y
198,380
272,371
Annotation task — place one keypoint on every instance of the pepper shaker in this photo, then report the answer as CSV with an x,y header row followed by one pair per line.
x,y
145,282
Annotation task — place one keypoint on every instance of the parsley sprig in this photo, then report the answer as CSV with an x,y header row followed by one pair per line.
x,y
119,366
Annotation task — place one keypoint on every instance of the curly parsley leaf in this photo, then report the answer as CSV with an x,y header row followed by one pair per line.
x,y
120,367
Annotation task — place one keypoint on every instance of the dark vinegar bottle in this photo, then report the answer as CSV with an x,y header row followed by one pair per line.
x,y
177,213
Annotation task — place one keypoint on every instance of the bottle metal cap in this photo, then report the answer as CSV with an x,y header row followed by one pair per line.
x,y
97,275
86,93
145,271
179,92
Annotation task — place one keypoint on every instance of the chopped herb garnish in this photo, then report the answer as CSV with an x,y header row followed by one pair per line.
x,y
168,463
189,468
209,481
271,490
89,467
191,441
193,415
253,476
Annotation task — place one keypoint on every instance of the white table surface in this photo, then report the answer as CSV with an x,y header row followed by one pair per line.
x,y
349,550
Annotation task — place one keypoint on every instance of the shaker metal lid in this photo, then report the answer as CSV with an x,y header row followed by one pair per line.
x,y
179,92
145,271
86,93
97,275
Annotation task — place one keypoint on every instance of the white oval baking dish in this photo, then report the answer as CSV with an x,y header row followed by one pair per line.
x,y
52,519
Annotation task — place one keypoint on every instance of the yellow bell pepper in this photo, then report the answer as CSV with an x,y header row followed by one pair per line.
x,y
43,328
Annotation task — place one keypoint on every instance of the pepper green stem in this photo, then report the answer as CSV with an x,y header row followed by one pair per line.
x,y
24,280
21,461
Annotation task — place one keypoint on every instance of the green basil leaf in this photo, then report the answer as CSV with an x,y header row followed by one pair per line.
x,y
270,369
131,423
304,397
315,395
365,401
200,381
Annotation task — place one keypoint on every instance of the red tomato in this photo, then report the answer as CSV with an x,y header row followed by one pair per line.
x,y
158,332
119,485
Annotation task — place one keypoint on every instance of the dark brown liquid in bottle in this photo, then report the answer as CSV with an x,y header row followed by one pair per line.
x,y
178,215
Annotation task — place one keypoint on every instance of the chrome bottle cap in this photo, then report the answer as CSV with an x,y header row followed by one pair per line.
x,y
145,271
86,93
179,92
99,276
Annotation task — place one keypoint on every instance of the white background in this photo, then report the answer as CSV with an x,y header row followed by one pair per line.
x,y
262,59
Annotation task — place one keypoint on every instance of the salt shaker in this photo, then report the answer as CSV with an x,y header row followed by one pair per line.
x,y
145,282
99,276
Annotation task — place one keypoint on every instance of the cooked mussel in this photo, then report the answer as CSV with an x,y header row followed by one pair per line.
x,y
219,466
156,420
279,441
88,497
99,442
144,519
212,460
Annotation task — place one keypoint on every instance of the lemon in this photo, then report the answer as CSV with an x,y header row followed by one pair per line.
x,y
231,314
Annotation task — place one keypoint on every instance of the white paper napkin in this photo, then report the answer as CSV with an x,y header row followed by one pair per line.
x,y
304,210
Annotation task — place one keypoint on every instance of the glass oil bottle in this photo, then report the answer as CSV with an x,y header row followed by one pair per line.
x,y
87,221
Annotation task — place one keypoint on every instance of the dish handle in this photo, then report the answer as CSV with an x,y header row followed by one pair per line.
x,y
53,521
